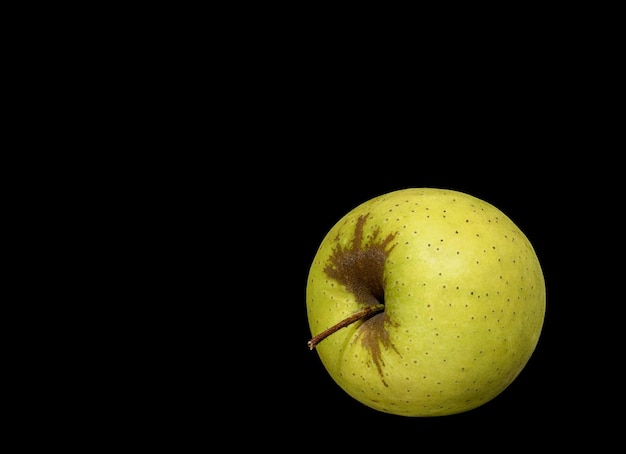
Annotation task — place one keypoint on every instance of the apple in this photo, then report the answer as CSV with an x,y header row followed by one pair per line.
x,y
425,302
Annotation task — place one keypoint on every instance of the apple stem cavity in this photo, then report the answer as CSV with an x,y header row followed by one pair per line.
x,y
362,314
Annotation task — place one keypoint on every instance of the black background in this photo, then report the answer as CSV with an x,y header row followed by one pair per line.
x,y
238,167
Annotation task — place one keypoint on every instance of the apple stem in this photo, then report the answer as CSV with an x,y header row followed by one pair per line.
x,y
363,313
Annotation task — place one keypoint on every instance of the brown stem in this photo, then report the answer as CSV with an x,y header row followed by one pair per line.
x,y
363,313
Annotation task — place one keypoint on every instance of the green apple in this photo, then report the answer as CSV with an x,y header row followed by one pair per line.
x,y
425,302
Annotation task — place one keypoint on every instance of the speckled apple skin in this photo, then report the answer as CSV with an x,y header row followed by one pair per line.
x,y
464,296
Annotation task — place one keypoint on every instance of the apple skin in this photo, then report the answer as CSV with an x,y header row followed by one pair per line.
x,y
464,302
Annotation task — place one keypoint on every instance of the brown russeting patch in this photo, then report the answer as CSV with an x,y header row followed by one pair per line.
x,y
360,268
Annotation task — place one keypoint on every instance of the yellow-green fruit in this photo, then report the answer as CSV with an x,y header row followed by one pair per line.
x,y
464,302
